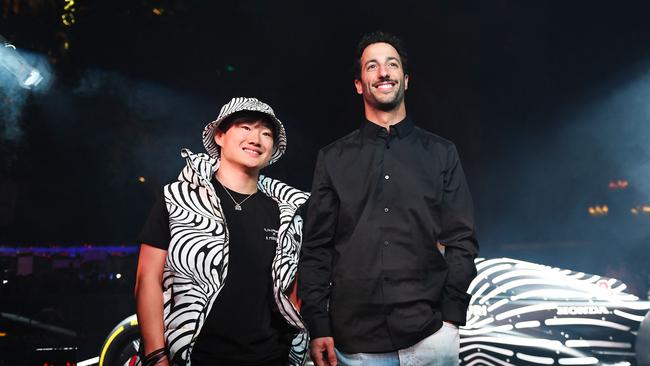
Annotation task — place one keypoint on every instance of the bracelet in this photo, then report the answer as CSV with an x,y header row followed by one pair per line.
x,y
154,357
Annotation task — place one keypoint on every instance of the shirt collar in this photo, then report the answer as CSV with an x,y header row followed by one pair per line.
x,y
401,129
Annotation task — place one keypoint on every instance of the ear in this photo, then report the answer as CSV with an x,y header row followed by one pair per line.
x,y
359,86
218,137
406,82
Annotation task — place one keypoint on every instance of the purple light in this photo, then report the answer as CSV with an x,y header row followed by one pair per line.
x,y
70,251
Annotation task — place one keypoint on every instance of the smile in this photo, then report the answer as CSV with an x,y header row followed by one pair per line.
x,y
252,151
385,85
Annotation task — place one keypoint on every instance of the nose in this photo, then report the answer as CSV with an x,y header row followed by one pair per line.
x,y
383,71
254,138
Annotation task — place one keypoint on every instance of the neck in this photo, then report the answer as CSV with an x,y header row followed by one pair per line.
x,y
237,179
385,118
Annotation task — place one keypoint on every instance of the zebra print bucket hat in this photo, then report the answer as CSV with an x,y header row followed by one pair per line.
x,y
245,104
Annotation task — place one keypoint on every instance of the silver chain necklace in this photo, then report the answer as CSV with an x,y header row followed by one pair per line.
x,y
237,205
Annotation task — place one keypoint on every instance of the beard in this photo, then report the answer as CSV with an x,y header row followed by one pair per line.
x,y
388,105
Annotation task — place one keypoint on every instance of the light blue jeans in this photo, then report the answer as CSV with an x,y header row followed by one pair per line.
x,y
439,349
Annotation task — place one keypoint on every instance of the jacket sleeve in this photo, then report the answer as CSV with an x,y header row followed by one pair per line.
x,y
315,265
458,237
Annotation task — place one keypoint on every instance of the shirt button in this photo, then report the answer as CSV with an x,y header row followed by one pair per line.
x,y
386,209
386,176
386,242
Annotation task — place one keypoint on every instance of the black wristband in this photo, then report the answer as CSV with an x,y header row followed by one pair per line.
x,y
154,357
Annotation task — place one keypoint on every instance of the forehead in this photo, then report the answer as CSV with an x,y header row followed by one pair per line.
x,y
379,51
253,121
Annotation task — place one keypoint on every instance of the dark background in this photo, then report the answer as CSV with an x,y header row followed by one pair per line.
x,y
547,102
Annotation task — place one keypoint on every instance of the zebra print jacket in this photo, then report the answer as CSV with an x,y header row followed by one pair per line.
x,y
197,258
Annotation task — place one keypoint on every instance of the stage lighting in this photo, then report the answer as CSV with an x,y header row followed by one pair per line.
x,y
618,184
27,76
598,210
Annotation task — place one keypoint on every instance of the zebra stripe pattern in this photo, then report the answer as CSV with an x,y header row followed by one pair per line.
x,y
245,104
285,263
197,259
523,313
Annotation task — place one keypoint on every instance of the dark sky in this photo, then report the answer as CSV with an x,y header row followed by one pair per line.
x,y
546,101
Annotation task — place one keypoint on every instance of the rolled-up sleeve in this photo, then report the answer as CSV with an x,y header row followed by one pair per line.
x,y
315,266
459,239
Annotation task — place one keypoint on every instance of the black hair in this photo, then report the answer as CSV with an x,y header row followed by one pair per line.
x,y
379,37
249,116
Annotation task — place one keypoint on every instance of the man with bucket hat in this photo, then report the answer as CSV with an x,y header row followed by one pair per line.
x,y
219,252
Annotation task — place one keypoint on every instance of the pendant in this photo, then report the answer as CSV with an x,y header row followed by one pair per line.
x,y
237,207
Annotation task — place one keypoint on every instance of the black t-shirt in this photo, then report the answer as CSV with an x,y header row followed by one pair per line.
x,y
243,326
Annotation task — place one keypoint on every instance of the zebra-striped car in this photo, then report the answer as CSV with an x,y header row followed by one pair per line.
x,y
521,313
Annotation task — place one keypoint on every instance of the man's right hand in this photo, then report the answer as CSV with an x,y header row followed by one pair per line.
x,y
322,351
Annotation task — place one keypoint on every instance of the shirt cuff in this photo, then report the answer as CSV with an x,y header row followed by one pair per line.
x,y
455,310
319,328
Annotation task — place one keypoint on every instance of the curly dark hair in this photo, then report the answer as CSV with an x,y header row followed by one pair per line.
x,y
379,37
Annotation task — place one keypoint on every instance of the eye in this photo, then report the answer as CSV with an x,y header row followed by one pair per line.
x,y
267,134
245,127
371,67
393,65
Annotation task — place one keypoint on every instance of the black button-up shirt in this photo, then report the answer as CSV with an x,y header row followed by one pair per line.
x,y
371,274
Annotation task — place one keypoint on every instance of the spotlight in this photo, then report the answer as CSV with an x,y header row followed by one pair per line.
x,y
27,76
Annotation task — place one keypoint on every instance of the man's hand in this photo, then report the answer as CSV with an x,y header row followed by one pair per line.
x,y
319,346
